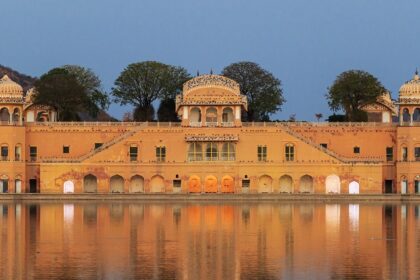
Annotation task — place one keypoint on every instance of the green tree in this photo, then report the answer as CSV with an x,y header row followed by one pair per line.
x,y
351,90
64,91
140,84
166,111
263,90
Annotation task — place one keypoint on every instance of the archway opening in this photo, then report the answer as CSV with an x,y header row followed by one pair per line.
x,y
90,184
406,115
4,115
265,184
210,184
227,116
16,116
286,184
18,185
42,117
194,184
332,184
136,184
4,185
157,184
306,184
195,116
116,184
228,184
211,116
354,187
416,115
68,187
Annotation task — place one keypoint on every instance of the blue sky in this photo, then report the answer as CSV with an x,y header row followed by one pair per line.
x,y
306,44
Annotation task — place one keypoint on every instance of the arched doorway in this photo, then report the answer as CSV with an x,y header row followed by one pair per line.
x,y
228,184
4,115
68,187
157,184
18,186
210,184
195,117
286,184
354,187
116,184
332,184
211,116
136,184
4,184
306,184
194,184
90,184
265,184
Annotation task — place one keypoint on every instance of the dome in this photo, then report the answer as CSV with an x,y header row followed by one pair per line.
x,y
9,89
411,89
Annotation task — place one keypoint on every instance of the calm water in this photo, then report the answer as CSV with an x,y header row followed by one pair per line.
x,y
209,241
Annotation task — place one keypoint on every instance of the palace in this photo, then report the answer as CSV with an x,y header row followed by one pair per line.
x,y
211,150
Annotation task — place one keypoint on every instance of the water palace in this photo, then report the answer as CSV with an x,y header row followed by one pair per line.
x,y
211,150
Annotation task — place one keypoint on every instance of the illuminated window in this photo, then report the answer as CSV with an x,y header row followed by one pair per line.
x,y
262,153
289,152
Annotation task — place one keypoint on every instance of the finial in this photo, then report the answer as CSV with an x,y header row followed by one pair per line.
x,y
417,71
198,73
211,71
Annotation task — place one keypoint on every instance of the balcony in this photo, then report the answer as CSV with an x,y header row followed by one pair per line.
x,y
227,124
195,124
211,124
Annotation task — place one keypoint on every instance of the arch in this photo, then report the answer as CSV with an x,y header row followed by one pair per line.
x,y
42,116
157,184
18,185
195,115
30,116
332,184
404,184
90,184
4,184
68,187
136,184
4,151
16,116
227,116
228,184
406,115
265,183
306,184
416,115
286,184
116,184
228,151
210,184
4,115
354,187
18,152
211,116
194,184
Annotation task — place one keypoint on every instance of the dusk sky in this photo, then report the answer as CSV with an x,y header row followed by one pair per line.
x,y
306,44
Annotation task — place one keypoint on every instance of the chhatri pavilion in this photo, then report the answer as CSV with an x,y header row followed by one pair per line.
x,y
211,150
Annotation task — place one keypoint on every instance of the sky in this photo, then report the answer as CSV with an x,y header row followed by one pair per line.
x,y
304,43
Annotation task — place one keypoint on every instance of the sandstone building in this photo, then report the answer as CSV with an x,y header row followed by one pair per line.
x,y
211,150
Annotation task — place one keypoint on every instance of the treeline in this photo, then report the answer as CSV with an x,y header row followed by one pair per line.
x,y
73,89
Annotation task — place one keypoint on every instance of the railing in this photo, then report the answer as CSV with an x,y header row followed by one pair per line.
x,y
211,124
195,124
322,124
227,124
125,124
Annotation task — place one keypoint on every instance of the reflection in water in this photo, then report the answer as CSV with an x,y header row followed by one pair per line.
x,y
209,241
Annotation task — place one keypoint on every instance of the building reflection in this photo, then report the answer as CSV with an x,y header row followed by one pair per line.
x,y
209,241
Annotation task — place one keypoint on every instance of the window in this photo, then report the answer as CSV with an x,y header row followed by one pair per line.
x,y
133,153
389,154
245,183
66,149
211,151
356,150
17,153
33,152
417,153
404,154
262,153
324,145
4,152
228,151
195,152
161,154
98,145
289,152
176,183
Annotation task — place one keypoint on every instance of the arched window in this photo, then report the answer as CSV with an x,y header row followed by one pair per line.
x,y
16,116
195,117
227,117
406,115
4,115
416,115
228,151
4,152
289,152
42,117
404,153
18,152
195,152
211,117
211,151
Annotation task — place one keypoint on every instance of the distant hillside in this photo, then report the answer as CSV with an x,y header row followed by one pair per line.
x,y
27,82
24,80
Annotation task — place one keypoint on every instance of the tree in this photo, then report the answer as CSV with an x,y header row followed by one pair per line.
x,y
62,90
318,116
166,111
351,90
263,90
139,84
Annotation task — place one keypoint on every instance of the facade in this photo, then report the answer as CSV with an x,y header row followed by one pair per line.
x,y
211,150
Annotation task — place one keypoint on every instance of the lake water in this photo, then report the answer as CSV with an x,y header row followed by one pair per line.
x,y
124,240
